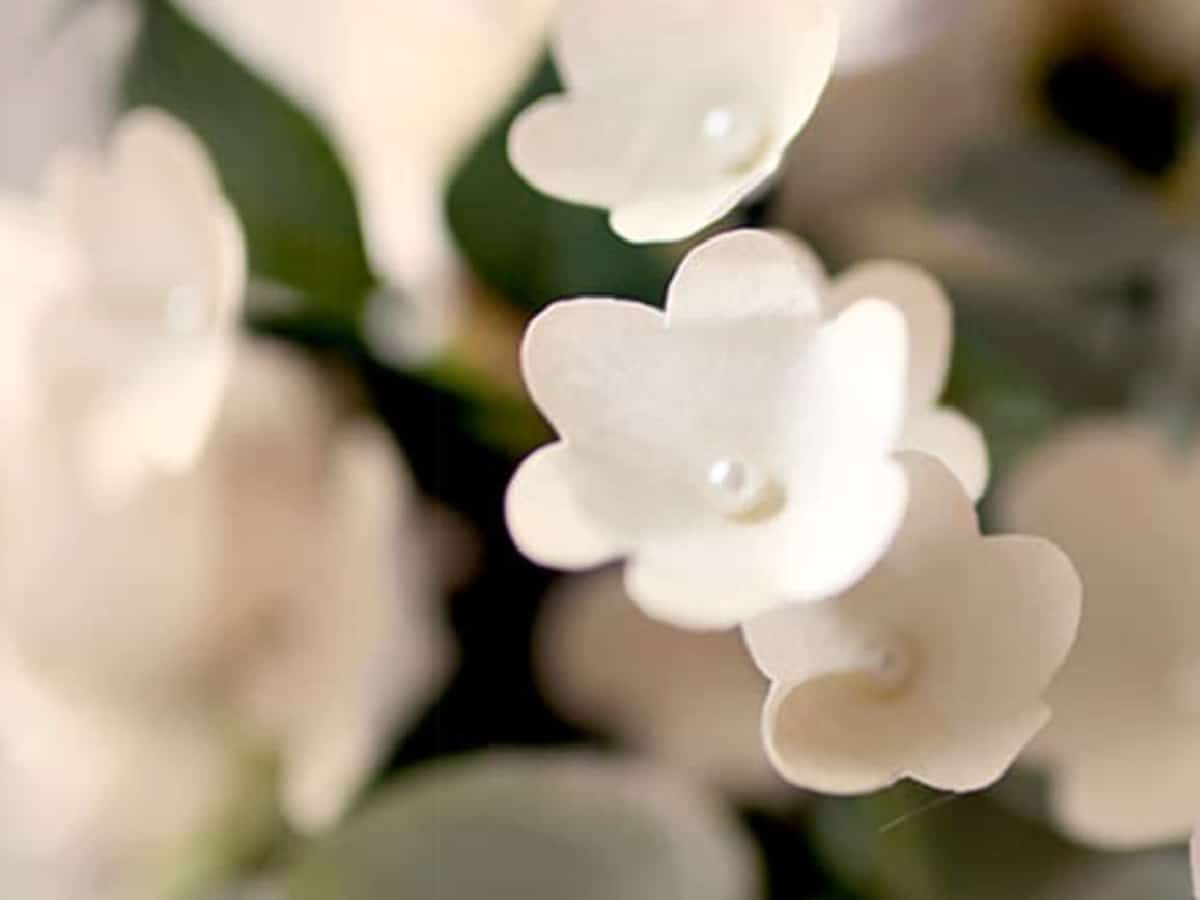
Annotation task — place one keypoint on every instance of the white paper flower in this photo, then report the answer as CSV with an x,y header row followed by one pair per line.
x,y
404,87
277,596
737,449
675,110
126,337
689,699
932,667
1123,745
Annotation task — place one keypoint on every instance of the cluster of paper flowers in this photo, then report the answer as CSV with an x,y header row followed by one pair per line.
x,y
755,456
205,562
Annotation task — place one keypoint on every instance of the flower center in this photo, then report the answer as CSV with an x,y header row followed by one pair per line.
x,y
889,664
735,138
742,491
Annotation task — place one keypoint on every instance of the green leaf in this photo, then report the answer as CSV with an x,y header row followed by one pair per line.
x,y
910,843
536,826
282,174
533,249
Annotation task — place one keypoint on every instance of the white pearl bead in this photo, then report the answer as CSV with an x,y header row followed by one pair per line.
x,y
890,664
718,124
734,138
738,489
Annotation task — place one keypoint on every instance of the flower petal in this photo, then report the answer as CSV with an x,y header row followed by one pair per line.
x,y
954,439
1100,799
927,312
545,520
641,153
784,47
746,273
826,539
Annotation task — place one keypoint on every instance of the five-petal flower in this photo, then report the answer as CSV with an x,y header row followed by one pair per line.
x,y
675,110
932,667
737,449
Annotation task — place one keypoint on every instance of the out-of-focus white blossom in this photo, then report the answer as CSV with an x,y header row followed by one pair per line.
x,y
690,700
880,131
875,32
1125,736
126,310
536,826
932,667
59,65
404,87
736,449
275,600
675,110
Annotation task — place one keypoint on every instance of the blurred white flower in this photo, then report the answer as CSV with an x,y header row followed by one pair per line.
x,y
937,430
125,320
675,110
691,700
879,131
404,87
933,667
1123,745
875,32
737,449
59,65
536,826
277,598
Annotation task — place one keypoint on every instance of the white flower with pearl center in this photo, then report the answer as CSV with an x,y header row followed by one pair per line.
x,y
932,667
1123,747
675,110
736,449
